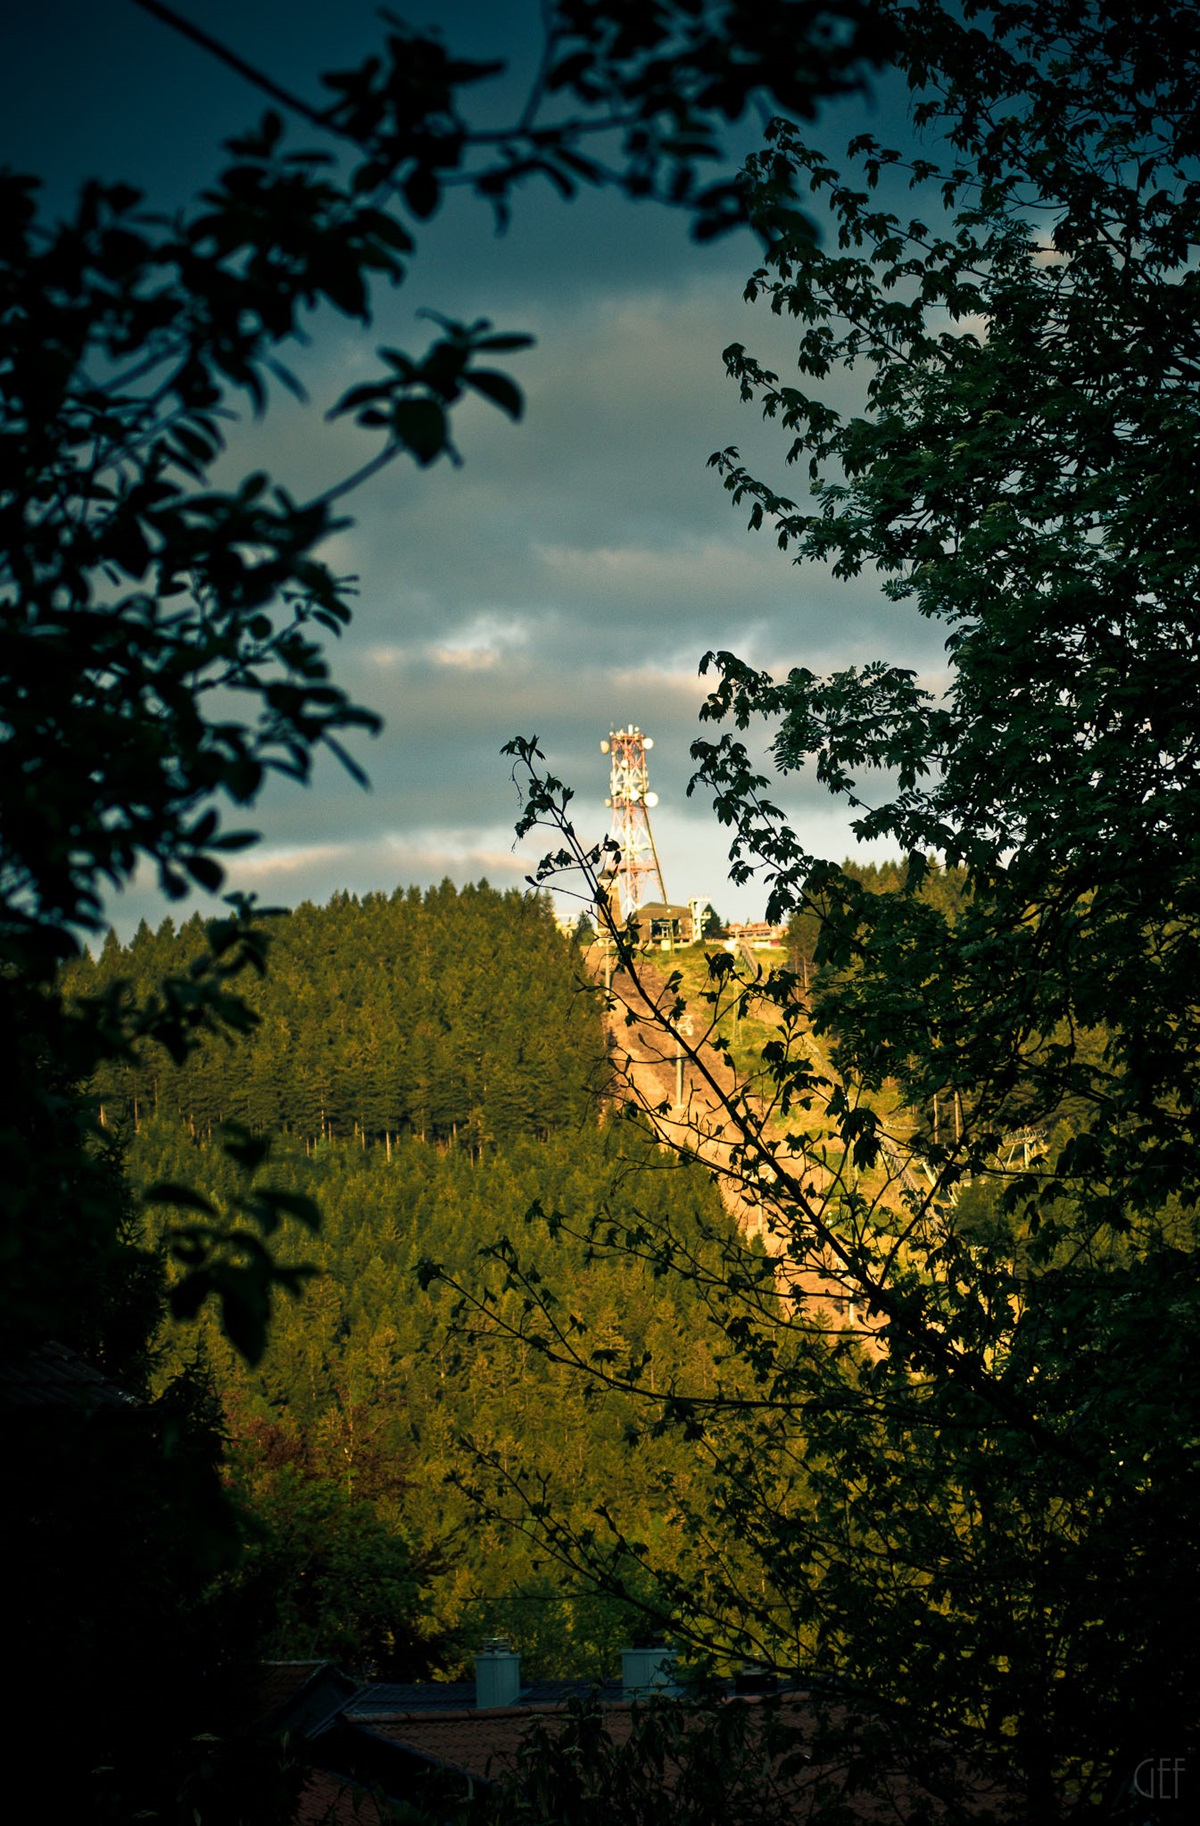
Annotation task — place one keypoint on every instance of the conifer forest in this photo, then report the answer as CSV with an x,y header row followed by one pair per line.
x,y
426,1068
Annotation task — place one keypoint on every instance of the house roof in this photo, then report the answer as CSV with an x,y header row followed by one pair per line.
x,y
332,1800
282,1680
300,1697
390,1699
484,1744
422,1739
52,1379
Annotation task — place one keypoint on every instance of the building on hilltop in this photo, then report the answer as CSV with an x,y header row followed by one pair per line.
x,y
660,922
758,934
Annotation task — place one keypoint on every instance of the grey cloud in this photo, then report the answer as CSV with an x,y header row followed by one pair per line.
x,y
570,574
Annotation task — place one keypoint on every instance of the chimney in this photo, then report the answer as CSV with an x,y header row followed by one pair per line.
x,y
756,1677
497,1674
646,1671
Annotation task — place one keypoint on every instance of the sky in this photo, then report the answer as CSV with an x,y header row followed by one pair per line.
x,y
568,577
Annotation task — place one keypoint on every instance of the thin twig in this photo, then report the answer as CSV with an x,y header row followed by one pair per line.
x,y
355,480
167,15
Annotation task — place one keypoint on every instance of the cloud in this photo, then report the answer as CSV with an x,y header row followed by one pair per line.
x,y
267,864
568,577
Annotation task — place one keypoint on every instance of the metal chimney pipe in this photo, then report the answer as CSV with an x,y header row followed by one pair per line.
x,y
497,1674
648,1670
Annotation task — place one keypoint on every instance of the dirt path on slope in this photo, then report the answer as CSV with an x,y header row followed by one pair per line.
x,y
684,1101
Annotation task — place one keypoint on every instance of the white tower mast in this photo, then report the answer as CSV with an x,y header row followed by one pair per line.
x,y
637,868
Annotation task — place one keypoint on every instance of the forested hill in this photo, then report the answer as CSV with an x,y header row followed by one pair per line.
x,y
436,1065
452,1015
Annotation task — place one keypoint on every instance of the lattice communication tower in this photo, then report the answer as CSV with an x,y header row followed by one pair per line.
x,y
636,870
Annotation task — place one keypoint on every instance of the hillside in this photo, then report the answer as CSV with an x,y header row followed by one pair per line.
x,y
452,1015
426,1068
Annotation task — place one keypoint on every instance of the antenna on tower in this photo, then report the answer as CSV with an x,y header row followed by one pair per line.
x,y
636,870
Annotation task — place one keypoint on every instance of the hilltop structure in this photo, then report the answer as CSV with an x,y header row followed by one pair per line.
x,y
666,923
635,869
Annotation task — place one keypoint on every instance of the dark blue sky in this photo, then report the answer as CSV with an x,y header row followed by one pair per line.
x,y
568,577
